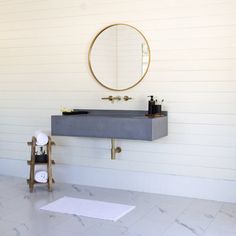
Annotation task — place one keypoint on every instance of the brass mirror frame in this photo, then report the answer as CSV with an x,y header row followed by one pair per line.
x,y
89,57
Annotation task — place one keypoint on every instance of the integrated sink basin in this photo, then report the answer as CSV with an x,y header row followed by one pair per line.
x,y
115,124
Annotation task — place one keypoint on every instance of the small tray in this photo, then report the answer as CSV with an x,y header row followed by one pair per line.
x,y
74,112
154,115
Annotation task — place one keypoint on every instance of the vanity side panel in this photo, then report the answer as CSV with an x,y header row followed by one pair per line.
x,y
159,127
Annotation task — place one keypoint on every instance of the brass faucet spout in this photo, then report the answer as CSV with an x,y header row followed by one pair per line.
x,y
112,99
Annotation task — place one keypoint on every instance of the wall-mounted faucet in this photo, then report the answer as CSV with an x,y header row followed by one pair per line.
x,y
118,98
112,99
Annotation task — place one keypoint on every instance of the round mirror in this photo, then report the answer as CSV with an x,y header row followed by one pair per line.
x,y
119,57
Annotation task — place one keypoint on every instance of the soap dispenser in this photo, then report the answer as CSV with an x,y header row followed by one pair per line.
x,y
151,104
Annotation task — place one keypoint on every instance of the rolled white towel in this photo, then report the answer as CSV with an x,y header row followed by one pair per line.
x,y
41,176
41,138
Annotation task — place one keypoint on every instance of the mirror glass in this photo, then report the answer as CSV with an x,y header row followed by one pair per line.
x,y
119,57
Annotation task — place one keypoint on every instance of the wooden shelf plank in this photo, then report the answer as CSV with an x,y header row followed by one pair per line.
x,y
40,163
35,182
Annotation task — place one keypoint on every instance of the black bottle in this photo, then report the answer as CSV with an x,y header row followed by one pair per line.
x,y
151,105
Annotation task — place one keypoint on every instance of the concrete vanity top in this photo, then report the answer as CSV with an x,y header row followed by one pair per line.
x,y
120,124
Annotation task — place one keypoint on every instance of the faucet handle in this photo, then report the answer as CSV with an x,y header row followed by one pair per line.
x,y
110,98
127,98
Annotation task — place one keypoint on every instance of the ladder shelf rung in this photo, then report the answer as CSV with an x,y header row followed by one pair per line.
x,y
40,163
35,182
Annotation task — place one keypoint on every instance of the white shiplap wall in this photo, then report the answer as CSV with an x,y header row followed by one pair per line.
x,y
43,65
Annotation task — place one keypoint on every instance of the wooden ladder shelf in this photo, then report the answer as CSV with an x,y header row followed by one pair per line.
x,y
33,162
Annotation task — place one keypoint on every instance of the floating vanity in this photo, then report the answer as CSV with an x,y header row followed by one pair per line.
x,y
119,124
113,124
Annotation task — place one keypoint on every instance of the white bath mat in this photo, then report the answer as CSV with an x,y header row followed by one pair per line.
x,y
89,208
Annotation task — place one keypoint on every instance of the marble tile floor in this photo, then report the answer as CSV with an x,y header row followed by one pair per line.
x,y
154,215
